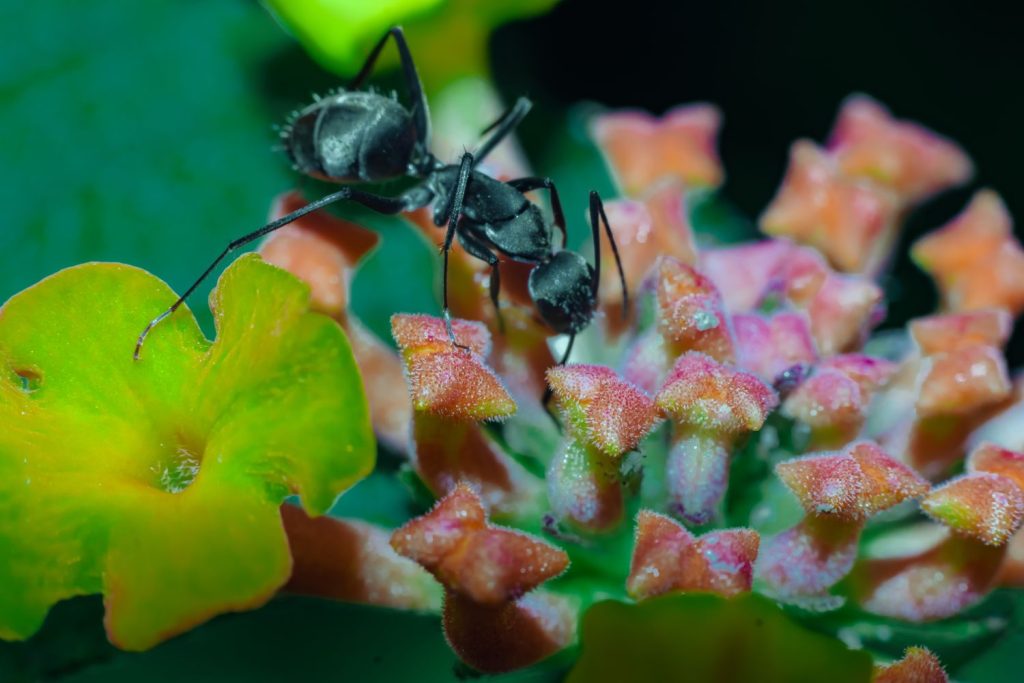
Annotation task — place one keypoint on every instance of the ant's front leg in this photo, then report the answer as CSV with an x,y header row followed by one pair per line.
x,y
453,214
475,247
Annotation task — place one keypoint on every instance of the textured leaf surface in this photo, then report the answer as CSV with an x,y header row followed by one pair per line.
x,y
157,482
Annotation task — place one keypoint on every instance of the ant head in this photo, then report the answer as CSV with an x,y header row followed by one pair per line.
x,y
563,289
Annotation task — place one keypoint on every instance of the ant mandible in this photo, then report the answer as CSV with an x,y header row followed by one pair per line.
x,y
356,136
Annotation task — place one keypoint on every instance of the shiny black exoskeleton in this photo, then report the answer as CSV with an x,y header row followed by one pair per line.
x,y
498,217
354,136
358,136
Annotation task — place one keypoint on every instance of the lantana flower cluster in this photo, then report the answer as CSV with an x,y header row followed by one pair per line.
x,y
761,353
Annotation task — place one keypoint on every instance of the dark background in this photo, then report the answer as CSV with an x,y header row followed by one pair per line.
x,y
779,71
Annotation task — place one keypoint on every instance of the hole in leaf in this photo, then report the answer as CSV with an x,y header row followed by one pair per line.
x,y
178,465
30,380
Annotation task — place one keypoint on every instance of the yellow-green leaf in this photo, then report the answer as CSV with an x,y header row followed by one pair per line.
x,y
158,482
448,37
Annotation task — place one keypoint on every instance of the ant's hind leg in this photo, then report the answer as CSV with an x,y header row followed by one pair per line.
x,y
385,205
412,79
528,184
474,247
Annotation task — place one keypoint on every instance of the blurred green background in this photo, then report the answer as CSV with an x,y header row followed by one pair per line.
x,y
142,132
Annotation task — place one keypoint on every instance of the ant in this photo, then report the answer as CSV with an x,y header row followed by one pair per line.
x,y
355,136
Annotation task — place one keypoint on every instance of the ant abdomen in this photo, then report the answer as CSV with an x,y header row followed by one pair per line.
x,y
352,137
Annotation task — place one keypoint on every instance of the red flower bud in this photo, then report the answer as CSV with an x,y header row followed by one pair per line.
x,y
667,557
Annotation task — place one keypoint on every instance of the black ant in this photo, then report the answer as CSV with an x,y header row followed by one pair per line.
x,y
356,136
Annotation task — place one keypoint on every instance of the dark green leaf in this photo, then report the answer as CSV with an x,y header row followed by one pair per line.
x,y
702,638
955,641
290,639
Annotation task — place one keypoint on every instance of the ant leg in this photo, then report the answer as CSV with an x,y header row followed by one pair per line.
x,y
519,110
597,208
565,357
453,214
412,80
568,350
385,205
475,247
527,184
502,127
